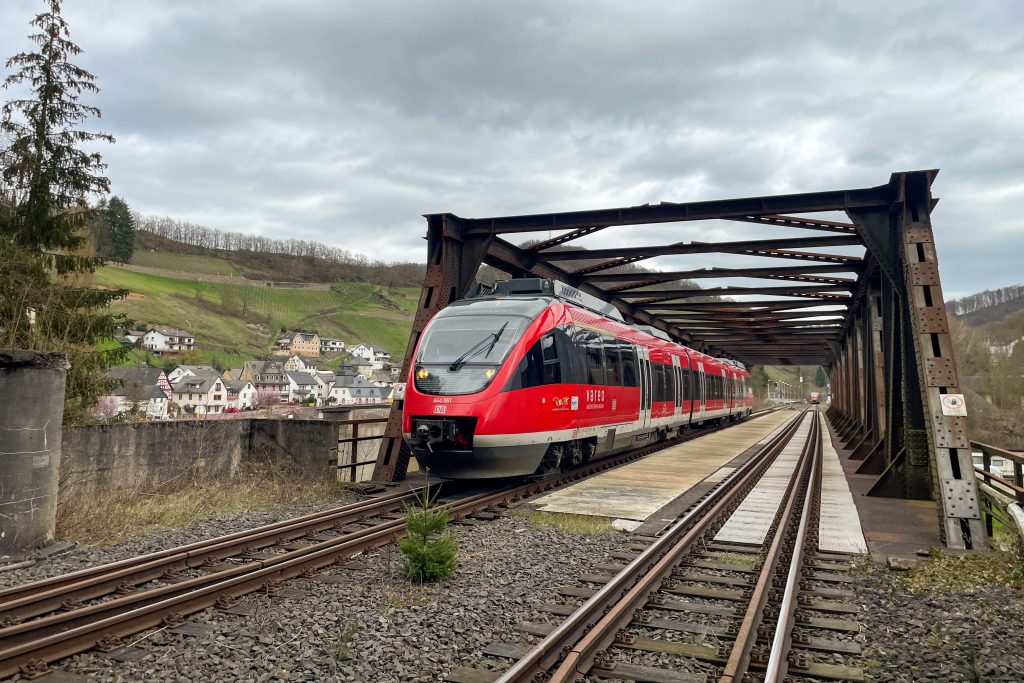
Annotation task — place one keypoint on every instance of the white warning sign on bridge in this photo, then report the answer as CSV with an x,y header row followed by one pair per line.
x,y
954,405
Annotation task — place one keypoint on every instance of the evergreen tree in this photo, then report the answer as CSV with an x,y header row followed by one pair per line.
x,y
45,182
820,378
122,229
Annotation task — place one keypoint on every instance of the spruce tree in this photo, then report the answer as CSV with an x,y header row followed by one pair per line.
x,y
46,180
122,229
820,378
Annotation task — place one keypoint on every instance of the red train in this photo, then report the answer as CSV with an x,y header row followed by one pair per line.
x,y
532,375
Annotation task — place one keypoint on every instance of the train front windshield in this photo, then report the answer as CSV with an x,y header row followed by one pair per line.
x,y
461,354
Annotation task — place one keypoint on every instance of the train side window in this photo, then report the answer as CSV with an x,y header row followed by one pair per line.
x,y
663,390
549,354
612,363
629,376
595,360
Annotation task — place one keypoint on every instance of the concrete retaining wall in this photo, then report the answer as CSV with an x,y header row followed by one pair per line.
x,y
163,456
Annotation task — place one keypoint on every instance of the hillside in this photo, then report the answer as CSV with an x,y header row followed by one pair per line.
x,y
791,375
156,251
990,306
233,322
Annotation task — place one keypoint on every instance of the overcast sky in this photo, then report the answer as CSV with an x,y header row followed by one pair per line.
x,y
345,121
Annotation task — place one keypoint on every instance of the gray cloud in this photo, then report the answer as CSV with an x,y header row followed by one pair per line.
x,y
344,122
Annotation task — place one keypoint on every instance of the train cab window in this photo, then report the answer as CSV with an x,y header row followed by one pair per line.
x,y
612,363
628,356
595,359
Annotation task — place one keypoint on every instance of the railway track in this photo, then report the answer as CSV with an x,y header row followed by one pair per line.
x,y
688,607
47,620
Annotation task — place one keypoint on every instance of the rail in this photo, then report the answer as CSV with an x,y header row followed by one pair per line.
x,y
53,618
1001,498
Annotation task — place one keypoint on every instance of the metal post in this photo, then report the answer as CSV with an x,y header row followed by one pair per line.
x,y
946,438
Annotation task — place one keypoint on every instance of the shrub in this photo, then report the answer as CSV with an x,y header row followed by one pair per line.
x,y
429,549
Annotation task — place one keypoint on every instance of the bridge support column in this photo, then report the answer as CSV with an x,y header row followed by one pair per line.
x,y
452,264
925,453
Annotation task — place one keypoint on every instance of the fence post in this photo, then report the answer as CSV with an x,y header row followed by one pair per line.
x,y
354,452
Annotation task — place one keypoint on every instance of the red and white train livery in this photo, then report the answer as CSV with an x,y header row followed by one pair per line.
x,y
532,375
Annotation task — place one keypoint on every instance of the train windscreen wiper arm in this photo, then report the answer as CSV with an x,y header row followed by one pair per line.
x,y
475,348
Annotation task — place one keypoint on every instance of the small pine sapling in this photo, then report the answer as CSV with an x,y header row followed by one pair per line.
x,y
429,549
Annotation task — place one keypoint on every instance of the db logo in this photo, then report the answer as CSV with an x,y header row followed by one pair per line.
x,y
440,410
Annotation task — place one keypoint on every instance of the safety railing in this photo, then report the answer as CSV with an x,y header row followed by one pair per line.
x,y
354,437
1000,475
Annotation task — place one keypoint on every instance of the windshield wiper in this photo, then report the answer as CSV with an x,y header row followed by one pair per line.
x,y
490,340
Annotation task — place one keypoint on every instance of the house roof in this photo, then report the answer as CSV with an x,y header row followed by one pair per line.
x,y
236,385
352,382
301,378
199,385
146,376
263,367
171,332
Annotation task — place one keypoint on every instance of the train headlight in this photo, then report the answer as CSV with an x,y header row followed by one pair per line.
x,y
422,373
489,373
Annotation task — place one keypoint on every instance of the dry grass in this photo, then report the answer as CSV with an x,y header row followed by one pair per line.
x,y
952,573
577,524
117,517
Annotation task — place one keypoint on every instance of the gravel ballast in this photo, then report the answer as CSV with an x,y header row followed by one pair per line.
x,y
77,557
374,625
971,635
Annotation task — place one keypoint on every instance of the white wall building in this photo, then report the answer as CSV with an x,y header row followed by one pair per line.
x,y
168,340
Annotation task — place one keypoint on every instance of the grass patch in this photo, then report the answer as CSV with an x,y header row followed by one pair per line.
x,y
953,573
113,518
577,524
188,263
744,560
339,644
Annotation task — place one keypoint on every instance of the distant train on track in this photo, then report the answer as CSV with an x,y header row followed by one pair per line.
x,y
532,375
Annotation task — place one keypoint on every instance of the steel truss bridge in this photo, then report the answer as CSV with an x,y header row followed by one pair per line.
x,y
871,313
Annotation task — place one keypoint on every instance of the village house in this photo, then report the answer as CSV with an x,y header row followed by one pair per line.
x,y
201,395
190,371
354,389
301,386
300,364
376,359
301,343
267,376
324,380
145,391
162,340
331,345
132,337
358,366
382,378
241,394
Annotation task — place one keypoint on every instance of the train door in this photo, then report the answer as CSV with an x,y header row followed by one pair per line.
x,y
677,394
701,395
644,360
